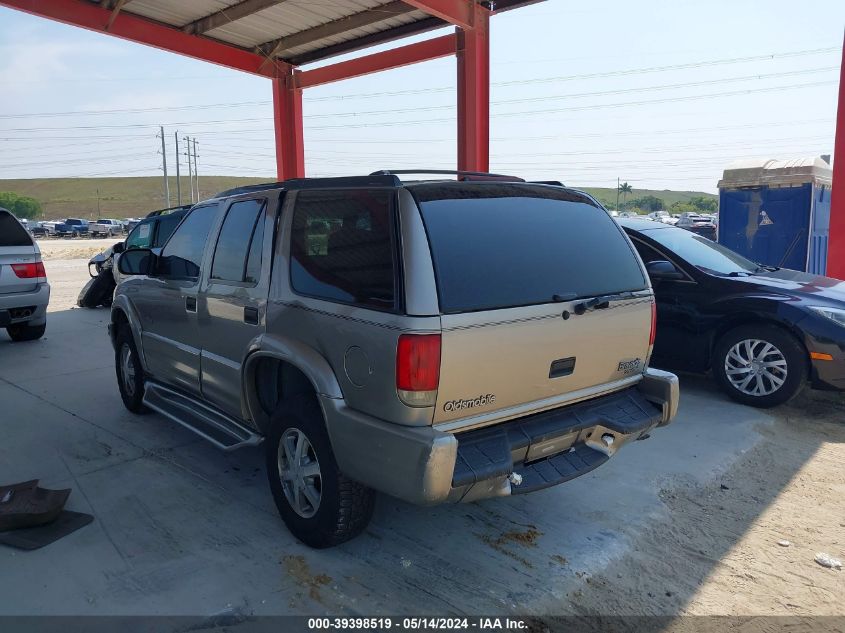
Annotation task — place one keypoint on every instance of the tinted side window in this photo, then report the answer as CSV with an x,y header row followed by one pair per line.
x,y
234,243
343,247
182,255
166,225
12,233
141,236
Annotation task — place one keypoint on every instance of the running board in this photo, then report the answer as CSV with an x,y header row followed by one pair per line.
x,y
210,424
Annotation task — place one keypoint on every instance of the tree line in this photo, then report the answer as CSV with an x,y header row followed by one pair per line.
x,y
20,206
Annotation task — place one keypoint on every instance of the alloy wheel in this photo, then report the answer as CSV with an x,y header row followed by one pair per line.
x,y
755,367
127,369
299,471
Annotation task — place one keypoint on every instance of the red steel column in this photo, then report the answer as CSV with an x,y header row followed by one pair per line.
x,y
474,94
836,243
287,121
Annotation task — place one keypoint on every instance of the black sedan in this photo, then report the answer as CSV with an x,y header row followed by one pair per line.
x,y
762,331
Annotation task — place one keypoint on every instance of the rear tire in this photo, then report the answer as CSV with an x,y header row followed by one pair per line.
x,y
760,365
319,505
25,332
130,374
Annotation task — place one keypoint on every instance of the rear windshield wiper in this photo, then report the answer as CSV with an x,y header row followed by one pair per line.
x,y
601,302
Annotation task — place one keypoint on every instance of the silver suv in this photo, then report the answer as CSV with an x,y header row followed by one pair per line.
x,y
438,341
24,291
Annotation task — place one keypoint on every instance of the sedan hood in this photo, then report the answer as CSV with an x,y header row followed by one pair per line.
x,y
797,283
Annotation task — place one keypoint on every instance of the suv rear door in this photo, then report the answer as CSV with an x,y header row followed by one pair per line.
x,y
233,300
16,247
515,264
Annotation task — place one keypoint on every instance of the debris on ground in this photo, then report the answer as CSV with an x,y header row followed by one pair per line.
x,y
406,563
784,543
826,560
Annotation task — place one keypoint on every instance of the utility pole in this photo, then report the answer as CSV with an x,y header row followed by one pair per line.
x,y
164,167
196,171
190,172
178,178
617,194
98,203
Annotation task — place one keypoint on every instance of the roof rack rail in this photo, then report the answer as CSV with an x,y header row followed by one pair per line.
x,y
180,207
373,180
463,174
556,183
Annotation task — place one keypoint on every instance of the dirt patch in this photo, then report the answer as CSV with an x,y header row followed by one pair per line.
x,y
297,567
71,252
718,552
526,538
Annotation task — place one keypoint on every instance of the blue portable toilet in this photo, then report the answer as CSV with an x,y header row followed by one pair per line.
x,y
777,212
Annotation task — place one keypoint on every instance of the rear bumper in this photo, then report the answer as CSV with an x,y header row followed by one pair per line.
x,y
36,301
425,466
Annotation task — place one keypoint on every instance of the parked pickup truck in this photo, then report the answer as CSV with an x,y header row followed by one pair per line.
x,y
71,227
439,341
105,228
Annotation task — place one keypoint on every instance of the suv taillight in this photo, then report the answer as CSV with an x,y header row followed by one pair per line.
x,y
418,369
653,332
34,270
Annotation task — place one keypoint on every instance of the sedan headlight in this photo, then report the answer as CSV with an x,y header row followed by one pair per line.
x,y
834,314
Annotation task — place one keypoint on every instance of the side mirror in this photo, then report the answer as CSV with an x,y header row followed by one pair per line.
x,y
662,269
138,261
118,248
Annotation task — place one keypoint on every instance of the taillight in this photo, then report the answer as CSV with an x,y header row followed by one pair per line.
x,y
34,270
653,332
418,369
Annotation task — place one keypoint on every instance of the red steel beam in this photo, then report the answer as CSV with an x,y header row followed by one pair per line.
x,y
143,31
287,122
458,12
393,58
836,240
474,94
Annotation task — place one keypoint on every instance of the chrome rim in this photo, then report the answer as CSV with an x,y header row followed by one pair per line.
x,y
755,367
127,369
299,471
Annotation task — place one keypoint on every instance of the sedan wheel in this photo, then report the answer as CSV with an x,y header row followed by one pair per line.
x,y
762,365
755,367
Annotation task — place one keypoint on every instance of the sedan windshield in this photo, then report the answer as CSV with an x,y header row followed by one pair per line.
x,y
702,253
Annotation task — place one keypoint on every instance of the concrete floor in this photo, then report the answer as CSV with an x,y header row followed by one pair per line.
x,y
181,528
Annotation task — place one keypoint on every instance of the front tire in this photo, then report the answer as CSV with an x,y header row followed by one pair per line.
x,y
760,365
319,505
130,374
25,332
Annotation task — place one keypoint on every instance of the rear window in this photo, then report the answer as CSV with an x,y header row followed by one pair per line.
x,y
343,247
11,232
501,246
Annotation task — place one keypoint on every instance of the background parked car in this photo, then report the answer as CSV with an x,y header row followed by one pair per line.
x,y
71,227
105,228
151,232
24,291
662,216
37,229
697,223
762,331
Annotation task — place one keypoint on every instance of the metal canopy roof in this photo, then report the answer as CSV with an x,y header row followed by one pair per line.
x,y
293,31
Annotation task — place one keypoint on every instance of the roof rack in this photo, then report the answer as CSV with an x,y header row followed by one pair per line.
x,y
373,180
181,207
463,174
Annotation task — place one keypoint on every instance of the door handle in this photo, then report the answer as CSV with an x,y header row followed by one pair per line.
x,y
191,304
251,315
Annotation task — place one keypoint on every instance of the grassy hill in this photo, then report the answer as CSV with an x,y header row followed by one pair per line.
x,y
133,197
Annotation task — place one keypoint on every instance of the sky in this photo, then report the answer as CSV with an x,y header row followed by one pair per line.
x,y
663,95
